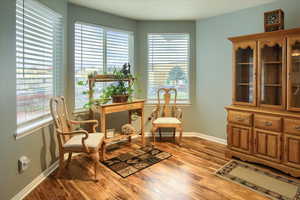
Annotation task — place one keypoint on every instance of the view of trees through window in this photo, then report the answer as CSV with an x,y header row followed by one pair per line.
x,y
168,64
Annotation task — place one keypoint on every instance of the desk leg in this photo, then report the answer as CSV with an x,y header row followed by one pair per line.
x,y
129,121
103,130
102,152
142,127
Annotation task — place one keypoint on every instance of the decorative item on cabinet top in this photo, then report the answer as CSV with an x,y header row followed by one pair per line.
x,y
274,20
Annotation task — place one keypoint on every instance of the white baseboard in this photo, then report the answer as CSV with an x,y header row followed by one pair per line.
x,y
194,134
27,189
211,138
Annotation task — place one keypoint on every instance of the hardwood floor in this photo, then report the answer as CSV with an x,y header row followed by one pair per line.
x,y
188,174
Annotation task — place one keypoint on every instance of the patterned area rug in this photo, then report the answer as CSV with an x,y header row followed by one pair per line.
x,y
269,184
132,162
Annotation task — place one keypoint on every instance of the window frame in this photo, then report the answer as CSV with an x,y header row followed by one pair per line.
x,y
188,102
131,40
29,126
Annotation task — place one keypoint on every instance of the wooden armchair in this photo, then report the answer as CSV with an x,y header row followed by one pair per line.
x,y
167,115
74,141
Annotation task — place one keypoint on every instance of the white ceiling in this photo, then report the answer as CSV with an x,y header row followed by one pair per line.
x,y
169,9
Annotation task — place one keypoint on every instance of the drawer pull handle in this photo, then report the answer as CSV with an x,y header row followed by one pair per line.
x,y
240,119
268,123
297,128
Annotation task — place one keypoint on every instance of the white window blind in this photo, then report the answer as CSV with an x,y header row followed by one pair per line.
x,y
88,57
168,64
117,50
98,49
39,51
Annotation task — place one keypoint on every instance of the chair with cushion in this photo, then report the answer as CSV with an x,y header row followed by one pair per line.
x,y
71,140
167,115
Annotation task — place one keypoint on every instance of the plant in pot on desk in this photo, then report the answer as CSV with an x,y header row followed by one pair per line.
x,y
122,90
118,92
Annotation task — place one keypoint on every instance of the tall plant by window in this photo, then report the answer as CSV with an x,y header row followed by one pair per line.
x,y
39,51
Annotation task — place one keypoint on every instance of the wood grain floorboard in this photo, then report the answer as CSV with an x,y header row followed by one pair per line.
x,y
187,175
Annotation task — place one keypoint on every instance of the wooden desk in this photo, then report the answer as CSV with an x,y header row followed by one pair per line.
x,y
136,105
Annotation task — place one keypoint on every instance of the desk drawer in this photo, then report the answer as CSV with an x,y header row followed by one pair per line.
x,y
124,107
268,122
242,118
292,126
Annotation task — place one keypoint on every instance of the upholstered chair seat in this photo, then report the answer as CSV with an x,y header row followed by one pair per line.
x,y
166,120
93,142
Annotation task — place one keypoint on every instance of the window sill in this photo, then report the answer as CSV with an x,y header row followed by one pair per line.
x,y
79,111
28,129
151,103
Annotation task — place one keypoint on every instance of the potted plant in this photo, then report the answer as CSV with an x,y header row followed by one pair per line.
x,y
118,92
122,90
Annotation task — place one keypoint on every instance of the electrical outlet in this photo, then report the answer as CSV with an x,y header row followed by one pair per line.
x,y
23,163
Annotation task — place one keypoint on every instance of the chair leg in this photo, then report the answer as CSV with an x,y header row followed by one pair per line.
x,y
96,172
174,133
180,137
159,131
153,135
102,152
95,157
61,164
69,159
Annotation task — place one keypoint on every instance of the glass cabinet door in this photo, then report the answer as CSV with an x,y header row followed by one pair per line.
x,y
293,58
244,73
272,72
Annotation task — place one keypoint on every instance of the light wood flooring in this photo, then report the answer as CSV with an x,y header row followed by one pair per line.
x,y
187,175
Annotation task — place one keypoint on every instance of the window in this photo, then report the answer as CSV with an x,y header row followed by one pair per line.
x,y
98,49
39,51
168,64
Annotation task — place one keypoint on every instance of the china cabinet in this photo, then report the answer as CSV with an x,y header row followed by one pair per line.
x,y
293,61
264,118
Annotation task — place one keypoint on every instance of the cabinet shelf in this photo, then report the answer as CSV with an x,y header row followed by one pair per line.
x,y
272,62
244,84
245,63
272,85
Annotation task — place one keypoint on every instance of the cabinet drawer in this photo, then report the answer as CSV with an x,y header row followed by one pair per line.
x,y
242,118
292,126
268,123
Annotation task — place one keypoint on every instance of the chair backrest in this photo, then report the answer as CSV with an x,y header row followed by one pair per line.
x,y
167,108
60,117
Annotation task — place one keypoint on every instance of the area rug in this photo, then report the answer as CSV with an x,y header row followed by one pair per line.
x,y
267,183
132,162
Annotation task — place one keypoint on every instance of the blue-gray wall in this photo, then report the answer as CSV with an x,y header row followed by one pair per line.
x,y
39,146
213,85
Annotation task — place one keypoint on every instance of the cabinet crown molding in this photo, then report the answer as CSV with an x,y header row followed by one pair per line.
x,y
257,36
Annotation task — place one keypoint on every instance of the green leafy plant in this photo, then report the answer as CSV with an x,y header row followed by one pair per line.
x,y
121,87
